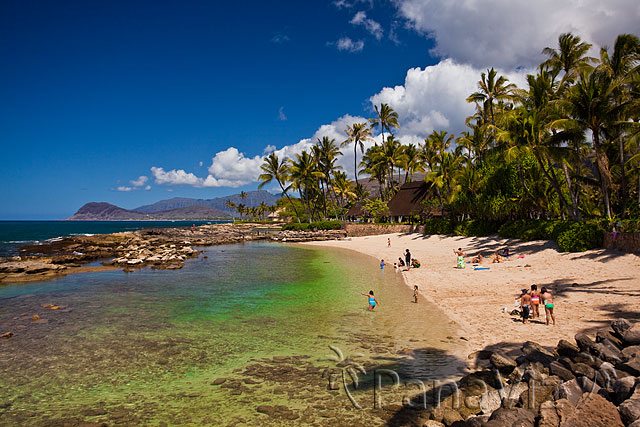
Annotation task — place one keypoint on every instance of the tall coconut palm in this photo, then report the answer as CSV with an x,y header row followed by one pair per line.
x,y
591,105
374,163
230,205
358,133
492,88
327,151
386,118
570,57
411,162
272,168
620,65
304,175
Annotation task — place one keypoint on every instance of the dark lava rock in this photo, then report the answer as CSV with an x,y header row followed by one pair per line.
x,y
630,408
632,336
584,342
511,417
620,326
632,366
502,362
556,368
604,334
567,349
584,369
623,388
534,352
593,410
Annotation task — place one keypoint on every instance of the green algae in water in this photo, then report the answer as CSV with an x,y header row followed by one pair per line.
x,y
146,347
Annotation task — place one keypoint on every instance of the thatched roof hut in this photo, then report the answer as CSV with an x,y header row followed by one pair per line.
x,y
408,199
356,211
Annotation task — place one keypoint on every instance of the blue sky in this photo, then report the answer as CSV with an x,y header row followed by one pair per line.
x,y
134,102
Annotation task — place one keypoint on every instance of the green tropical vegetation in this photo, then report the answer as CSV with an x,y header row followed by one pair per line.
x,y
564,147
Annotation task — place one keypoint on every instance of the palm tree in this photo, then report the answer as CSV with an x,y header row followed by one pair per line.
x,y
230,205
326,152
386,118
443,177
626,55
411,161
570,57
591,105
304,175
343,189
263,207
492,90
272,168
374,163
358,133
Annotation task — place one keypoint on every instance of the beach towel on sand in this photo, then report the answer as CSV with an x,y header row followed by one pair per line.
x,y
460,262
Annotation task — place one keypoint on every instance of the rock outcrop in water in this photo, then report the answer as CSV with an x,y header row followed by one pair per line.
x,y
160,248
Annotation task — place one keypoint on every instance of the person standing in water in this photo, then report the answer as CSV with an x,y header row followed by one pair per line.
x,y
415,293
381,264
372,300
547,300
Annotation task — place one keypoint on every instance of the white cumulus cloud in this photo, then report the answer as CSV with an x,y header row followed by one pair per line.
x,y
123,188
369,24
512,33
142,180
348,45
434,98
175,177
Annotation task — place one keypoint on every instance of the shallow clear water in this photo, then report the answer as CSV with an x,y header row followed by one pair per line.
x,y
148,347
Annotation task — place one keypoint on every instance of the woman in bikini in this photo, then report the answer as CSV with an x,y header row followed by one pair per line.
x,y
372,300
535,300
547,300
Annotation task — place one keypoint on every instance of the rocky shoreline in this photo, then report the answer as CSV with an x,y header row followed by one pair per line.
x,y
159,248
586,383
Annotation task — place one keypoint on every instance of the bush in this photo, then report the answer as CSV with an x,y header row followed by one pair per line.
x,y
317,225
581,236
296,226
438,226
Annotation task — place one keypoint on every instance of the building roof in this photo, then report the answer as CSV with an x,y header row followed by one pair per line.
x,y
407,200
356,210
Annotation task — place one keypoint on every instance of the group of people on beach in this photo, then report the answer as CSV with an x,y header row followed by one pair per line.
x,y
407,262
529,302
500,255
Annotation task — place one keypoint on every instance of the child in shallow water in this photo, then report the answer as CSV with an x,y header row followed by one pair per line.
x,y
372,300
415,293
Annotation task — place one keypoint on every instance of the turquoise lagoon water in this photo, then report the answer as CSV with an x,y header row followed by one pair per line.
x,y
246,326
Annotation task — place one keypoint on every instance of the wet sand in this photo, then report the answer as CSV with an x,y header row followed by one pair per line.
x,y
590,289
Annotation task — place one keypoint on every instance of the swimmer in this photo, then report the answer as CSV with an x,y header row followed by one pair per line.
x,y
372,300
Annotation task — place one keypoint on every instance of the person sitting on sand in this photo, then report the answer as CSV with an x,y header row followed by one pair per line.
x,y
460,254
415,293
504,252
496,258
400,262
535,301
547,300
372,300
477,259
415,263
525,305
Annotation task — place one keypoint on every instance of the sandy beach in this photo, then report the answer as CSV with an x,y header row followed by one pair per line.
x,y
590,288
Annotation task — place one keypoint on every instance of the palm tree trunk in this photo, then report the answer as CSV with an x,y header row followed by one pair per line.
x,y
623,178
554,183
290,201
603,168
573,196
355,160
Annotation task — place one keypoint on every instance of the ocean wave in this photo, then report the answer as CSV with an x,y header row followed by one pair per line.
x,y
82,234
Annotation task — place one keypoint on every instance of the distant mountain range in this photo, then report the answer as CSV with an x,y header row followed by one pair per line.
x,y
172,209
254,198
